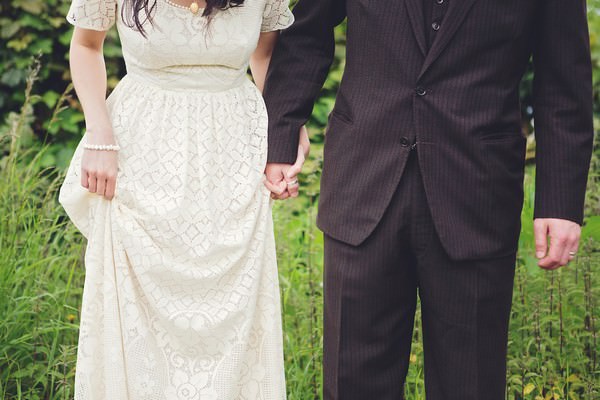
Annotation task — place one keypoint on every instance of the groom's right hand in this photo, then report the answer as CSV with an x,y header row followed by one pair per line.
x,y
282,179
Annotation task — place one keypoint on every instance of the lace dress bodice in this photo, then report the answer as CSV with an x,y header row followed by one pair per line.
x,y
183,50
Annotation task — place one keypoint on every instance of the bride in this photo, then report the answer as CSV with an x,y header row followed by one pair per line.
x,y
181,297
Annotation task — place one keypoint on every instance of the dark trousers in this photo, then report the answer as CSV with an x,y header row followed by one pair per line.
x,y
370,299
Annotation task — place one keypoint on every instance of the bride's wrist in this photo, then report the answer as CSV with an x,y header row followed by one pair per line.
x,y
99,136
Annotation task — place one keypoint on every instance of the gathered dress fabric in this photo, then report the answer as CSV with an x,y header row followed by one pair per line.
x,y
181,295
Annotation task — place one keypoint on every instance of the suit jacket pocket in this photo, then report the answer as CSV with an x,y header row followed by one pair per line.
x,y
501,137
340,116
339,127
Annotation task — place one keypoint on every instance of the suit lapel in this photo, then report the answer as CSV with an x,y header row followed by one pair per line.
x,y
416,17
455,15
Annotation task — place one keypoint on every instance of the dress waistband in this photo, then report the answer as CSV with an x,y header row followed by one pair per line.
x,y
186,81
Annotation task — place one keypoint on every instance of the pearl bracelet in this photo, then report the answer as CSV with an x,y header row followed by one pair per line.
x,y
105,147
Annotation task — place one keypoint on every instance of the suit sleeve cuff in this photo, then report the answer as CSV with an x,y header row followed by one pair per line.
x,y
283,146
574,214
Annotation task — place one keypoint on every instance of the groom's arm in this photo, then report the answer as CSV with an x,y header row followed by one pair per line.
x,y
563,125
297,72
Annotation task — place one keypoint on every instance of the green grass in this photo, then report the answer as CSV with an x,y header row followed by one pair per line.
x,y
41,274
554,343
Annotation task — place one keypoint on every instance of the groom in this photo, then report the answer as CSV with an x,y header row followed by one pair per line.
x,y
422,177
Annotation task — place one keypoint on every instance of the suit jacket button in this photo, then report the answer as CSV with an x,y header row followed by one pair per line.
x,y
421,91
404,142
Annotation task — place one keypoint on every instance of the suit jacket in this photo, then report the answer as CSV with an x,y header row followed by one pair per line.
x,y
455,103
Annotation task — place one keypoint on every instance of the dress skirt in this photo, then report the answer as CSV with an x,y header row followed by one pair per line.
x,y
181,297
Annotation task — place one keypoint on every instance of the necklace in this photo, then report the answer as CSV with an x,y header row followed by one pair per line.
x,y
193,7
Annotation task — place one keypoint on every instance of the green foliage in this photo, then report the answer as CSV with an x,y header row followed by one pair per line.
x,y
41,273
38,28
553,345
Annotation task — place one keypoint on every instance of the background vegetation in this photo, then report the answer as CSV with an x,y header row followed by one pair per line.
x,y
554,338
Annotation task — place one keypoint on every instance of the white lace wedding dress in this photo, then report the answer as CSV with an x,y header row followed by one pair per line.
x,y
181,296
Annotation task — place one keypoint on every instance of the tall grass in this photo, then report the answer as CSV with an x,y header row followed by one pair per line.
x,y
553,349
41,273
553,346
40,288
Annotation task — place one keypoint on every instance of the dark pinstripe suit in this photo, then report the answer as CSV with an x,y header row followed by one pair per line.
x,y
454,102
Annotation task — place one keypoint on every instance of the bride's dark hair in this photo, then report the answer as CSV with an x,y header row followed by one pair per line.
x,y
136,12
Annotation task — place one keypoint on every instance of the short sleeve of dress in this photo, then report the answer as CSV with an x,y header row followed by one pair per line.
x,y
98,15
277,15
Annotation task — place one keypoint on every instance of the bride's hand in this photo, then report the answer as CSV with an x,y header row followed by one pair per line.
x,y
304,141
303,152
99,170
282,179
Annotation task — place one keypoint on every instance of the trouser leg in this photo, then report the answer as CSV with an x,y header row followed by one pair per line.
x,y
465,311
370,297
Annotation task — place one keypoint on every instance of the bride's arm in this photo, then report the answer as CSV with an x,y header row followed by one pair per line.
x,y
88,71
260,59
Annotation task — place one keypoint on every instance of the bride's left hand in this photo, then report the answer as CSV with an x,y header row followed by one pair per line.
x,y
282,179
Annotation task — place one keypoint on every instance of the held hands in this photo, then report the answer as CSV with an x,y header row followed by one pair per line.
x,y
563,236
282,179
99,169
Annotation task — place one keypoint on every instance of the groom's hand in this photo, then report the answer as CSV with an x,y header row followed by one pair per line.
x,y
282,179
563,236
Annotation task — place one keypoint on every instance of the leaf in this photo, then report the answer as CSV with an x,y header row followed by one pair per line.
x,y
43,46
12,77
50,98
528,388
9,28
20,44
530,262
24,373
56,22
47,160
31,6
65,37
591,229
